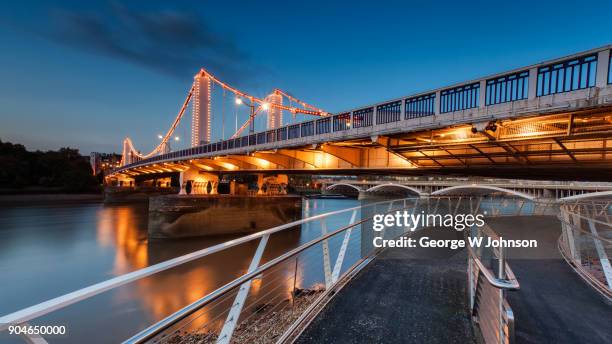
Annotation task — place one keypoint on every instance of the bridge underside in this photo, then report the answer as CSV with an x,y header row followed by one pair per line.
x,y
576,145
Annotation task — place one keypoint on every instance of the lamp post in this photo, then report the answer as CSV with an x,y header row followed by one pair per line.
x,y
238,102
251,106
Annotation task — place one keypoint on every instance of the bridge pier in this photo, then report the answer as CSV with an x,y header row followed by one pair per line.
x,y
276,184
175,216
194,181
120,179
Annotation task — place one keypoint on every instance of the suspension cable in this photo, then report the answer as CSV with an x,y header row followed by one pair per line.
x,y
128,145
254,99
166,137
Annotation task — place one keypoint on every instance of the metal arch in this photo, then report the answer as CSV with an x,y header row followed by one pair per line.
x,y
374,188
585,196
483,187
343,184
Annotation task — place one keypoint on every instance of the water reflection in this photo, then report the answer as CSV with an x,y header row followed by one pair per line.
x,y
122,228
48,251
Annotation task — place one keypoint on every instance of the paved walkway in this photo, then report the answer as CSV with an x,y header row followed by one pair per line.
x,y
399,299
554,305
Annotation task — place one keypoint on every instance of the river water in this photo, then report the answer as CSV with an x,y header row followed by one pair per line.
x,y
50,250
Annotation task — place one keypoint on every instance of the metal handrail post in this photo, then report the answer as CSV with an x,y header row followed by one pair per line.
x,y
234,314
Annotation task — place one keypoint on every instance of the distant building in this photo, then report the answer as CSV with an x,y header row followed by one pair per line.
x,y
101,162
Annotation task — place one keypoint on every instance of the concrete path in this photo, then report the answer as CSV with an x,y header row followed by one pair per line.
x,y
399,299
554,305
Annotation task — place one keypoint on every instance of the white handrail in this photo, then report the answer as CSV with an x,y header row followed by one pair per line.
x,y
54,304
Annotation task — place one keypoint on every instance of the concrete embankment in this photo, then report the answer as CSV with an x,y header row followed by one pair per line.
x,y
113,195
174,216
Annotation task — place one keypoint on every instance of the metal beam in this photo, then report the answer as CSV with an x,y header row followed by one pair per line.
x,y
326,262
343,247
513,151
234,314
430,158
294,154
601,252
482,153
456,157
386,142
257,161
560,144
350,155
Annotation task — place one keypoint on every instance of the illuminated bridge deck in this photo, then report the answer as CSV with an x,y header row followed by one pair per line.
x,y
526,118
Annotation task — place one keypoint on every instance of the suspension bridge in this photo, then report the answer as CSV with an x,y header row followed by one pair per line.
x,y
550,119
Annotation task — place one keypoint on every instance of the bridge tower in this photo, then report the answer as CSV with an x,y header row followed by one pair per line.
x,y
275,115
165,148
201,115
127,153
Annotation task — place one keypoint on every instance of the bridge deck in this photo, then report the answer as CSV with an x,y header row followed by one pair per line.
x,y
400,299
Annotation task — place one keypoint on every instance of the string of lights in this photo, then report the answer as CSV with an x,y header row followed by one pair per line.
x,y
130,152
308,109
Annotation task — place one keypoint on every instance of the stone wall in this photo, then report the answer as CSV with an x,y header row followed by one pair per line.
x,y
174,216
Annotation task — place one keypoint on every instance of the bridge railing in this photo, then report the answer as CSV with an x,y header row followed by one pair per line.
x,y
489,277
268,278
586,242
469,100
271,301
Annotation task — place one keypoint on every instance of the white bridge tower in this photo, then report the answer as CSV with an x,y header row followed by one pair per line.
x,y
200,120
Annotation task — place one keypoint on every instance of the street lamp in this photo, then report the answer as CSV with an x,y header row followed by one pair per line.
x,y
265,106
176,138
238,101
159,136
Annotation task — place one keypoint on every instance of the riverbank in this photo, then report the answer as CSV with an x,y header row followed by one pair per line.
x,y
265,324
34,199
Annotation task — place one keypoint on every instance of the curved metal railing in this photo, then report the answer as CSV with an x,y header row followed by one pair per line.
x,y
586,242
34,312
487,286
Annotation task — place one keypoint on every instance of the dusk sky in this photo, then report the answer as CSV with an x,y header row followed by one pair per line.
x,y
87,74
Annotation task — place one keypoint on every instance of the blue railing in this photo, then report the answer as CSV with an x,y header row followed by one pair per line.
x,y
610,69
294,131
460,98
323,125
569,75
307,129
342,122
363,118
421,106
507,88
389,112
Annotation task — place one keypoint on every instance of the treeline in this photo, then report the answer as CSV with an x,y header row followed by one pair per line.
x,y
62,171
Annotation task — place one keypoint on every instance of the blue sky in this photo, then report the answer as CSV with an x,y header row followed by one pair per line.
x,y
86,74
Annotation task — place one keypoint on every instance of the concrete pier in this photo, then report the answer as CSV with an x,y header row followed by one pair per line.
x,y
174,216
113,195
